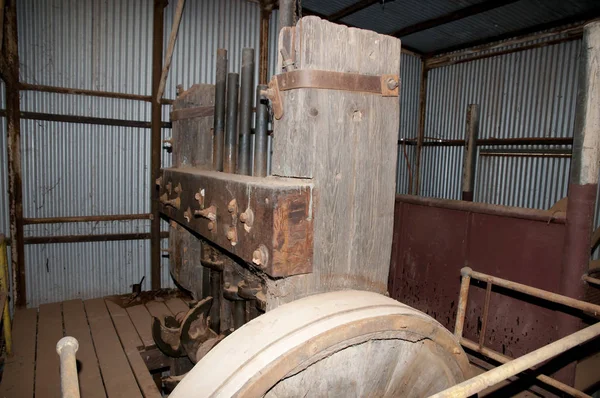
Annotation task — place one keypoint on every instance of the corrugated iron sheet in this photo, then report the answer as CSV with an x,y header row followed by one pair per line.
x,y
77,170
523,94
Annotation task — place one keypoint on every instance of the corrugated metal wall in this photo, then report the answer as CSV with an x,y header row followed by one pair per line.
x,y
524,94
79,170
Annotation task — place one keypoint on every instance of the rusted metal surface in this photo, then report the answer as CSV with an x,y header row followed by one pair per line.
x,y
434,239
116,217
421,132
155,140
485,208
263,60
386,85
231,132
244,165
282,212
10,75
510,368
219,113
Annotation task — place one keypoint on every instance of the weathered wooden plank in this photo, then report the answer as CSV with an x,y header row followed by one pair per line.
x,y
47,368
142,321
17,380
131,342
346,142
192,136
158,309
76,325
119,380
177,305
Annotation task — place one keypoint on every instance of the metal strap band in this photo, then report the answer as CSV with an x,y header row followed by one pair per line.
x,y
385,85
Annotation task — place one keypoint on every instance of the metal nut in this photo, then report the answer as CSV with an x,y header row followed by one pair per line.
x,y
232,206
211,225
260,256
392,84
232,235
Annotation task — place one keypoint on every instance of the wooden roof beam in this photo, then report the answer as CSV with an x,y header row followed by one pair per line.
x,y
452,16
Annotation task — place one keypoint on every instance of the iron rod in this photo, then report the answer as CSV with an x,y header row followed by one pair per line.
x,y
246,99
219,118
239,313
263,62
260,133
116,217
421,131
496,356
91,93
38,240
462,305
516,366
170,49
495,141
217,294
470,153
287,14
230,152
485,208
532,291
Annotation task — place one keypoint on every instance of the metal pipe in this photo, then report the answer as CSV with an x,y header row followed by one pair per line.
x,y
155,142
69,384
421,134
231,129
470,156
532,291
219,118
5,288
92,93
592,280
170,49
116,217
496,356
516,366
246,98
287,14
260,133
239,313
462,304
494,141
37,240
485,208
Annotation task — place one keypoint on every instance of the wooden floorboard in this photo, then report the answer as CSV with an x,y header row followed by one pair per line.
x,y
177,305
118,377
19,369
158,309
47,363
142,321
76,325
131,342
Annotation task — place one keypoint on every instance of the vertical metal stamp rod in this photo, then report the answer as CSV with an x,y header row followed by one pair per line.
x,y
260,133
215,309
230,152
67,348
239,313
219,118
470,156
246,97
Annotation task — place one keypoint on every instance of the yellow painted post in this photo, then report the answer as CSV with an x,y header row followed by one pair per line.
x,y
4,289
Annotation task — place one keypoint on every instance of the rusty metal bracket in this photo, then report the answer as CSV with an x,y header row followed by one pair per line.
x,y
384,85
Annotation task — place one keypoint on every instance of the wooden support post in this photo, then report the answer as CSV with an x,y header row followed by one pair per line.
x,y
155,141
470,156
346,143
421,133
10,75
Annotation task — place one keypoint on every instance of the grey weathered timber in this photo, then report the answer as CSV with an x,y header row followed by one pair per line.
x,y
194,150
345,142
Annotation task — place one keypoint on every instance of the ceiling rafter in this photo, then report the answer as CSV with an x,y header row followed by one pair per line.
x,y
352,9
452,16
